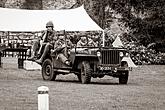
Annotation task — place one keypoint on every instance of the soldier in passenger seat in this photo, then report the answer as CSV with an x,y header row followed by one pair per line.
x,y
61,48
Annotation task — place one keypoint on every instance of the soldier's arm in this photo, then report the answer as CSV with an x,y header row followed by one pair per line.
x,y
58,47
69,43
92,43
78,44
43,37
55,45
52,40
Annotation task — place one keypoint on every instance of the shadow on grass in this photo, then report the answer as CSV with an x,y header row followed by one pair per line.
x,y
91,83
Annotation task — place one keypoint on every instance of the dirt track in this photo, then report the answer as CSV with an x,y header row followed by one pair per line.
x,y
145,91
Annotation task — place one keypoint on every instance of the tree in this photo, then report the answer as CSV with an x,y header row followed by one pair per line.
x,y
32,4
153,25
147,26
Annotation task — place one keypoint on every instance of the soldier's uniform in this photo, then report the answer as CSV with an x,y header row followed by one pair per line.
x,y
50,37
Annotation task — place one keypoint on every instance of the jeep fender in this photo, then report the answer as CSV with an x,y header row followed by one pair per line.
x,y
80,58
129,62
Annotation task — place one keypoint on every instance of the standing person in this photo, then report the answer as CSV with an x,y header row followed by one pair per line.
x,y
47,41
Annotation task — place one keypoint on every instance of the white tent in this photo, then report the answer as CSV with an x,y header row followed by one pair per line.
x,y
35,20
117,42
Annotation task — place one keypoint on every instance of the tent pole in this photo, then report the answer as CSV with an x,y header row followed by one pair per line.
x,y
103,38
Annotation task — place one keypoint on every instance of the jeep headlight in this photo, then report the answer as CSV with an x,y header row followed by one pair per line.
x,y
127,54
98,54
121,54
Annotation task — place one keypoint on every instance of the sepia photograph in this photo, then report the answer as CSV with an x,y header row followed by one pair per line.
x,y
82,54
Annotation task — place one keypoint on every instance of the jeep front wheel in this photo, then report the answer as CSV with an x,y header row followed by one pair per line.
x,y
123,78
79,77
47,70
85,72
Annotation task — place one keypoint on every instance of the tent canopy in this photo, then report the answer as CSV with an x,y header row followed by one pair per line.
x,y
35,20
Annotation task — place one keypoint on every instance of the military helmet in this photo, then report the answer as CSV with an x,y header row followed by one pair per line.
x,y
61,37
49,24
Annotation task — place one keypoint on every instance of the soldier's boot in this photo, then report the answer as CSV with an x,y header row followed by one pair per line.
x,y
34,50
68,63
64,59
46,50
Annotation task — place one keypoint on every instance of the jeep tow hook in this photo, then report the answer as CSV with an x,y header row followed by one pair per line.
x,y
115,70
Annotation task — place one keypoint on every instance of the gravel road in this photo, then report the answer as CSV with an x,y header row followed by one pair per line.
x,y
145,91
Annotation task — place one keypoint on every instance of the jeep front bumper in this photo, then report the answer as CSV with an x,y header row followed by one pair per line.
x,y
115,69
111,71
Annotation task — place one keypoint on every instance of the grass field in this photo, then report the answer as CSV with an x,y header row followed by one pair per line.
x,y
145,91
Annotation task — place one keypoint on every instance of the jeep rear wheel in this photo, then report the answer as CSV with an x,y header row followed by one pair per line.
x,y
85,72
123,78
47,70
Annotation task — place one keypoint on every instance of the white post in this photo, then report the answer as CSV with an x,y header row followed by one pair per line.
x,y
43,98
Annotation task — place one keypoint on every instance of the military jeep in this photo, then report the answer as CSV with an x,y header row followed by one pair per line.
x,y
87,63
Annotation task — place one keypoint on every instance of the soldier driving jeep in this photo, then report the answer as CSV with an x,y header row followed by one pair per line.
x,y
86,41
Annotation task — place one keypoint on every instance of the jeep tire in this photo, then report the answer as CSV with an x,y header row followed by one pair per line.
x,y
79,77
47,70
123,78
85,72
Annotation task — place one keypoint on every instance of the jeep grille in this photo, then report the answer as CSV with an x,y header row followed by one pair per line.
x,y
110,57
